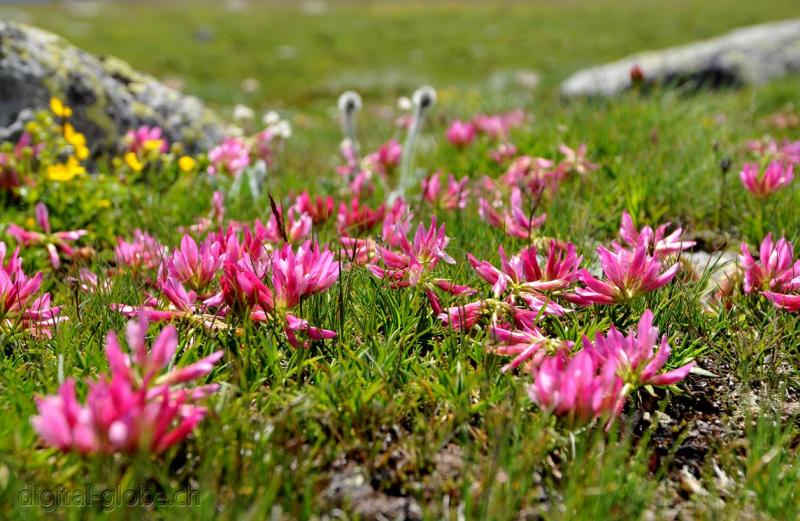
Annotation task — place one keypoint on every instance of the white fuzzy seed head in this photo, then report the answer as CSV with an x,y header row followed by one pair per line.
x,y
349,102
243,113
424,97
271,118
282,129
405,104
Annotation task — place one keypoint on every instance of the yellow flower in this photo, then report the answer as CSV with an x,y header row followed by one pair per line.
x,y
65,171
133,162
153,145
186,164
77,140
81,152
103,203
59,109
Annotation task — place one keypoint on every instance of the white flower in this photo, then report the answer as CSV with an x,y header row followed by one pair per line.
x,y
243,113
271,118
405,104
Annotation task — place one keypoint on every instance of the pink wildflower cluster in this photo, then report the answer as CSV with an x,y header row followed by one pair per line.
x,y
776,274
657,241
413,263
524,289
230,157
146,139
20,308
514,220
144,252
236,153
639,266
595,382
787,152
359,175
237,275
538,174
454,197
266,287
494,126
775,176
386,159
10,162
55,243
137,408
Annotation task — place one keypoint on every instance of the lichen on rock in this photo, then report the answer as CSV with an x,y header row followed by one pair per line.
x,y
107,95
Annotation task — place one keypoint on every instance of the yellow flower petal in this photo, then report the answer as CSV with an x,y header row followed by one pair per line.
x,y
186,164
153,144
59,109
133,162
59,172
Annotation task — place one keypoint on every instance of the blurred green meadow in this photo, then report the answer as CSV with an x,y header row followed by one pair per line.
x,y
307,52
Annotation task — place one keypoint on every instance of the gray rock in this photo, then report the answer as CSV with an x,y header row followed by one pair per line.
x,y
107,96
751,55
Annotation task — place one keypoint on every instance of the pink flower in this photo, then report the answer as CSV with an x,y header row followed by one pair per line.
x,y
575,160
523,273
388,156
523,278
89,282
396,223
195,266
656,242
144,252
320,209
578,387
230,157
638,357
775,270
530,171
596,381
266,142
357,217
498,126
503,152
466,316
628,274
292,275
358,178
178,304
133,409
53,242
20,309
296,227
786,152
461,134
526,345
516,222
13,264
776,176
11,163
145,139
789,302
415,262
455,197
